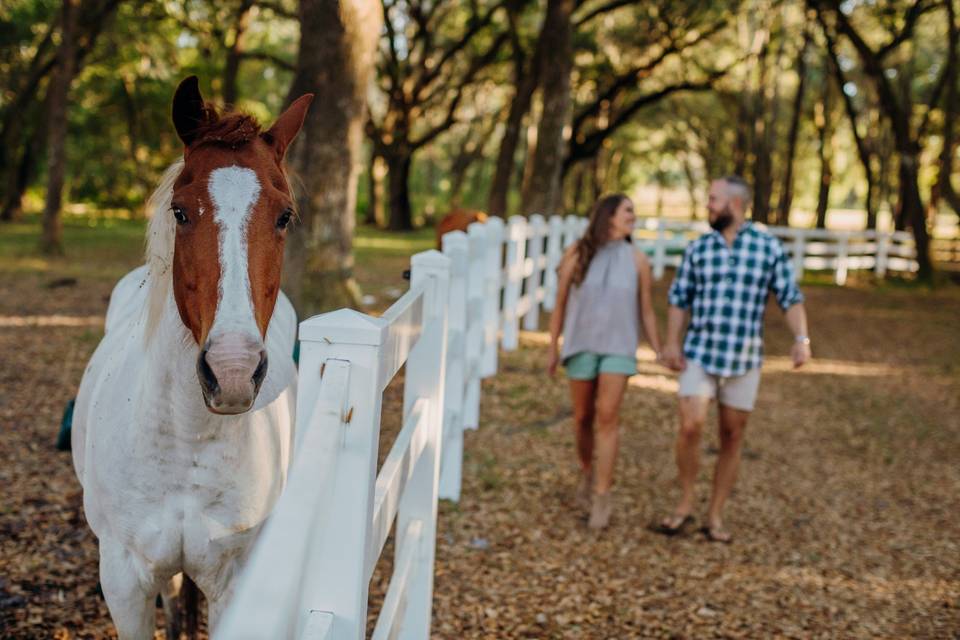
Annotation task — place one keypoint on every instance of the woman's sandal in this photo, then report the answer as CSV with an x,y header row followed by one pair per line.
x,y
716,535
679,528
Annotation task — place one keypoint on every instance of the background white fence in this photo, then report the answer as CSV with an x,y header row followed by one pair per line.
x,y
309,574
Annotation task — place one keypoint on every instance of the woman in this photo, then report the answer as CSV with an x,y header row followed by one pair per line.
x,y
603,293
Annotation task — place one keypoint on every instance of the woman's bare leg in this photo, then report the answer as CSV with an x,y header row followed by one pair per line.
x,y
582,393
610,388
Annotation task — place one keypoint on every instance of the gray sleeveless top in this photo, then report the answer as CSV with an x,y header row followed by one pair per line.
x,y
603,313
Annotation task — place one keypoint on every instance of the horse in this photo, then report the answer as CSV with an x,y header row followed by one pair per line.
x,y
183,434
457,220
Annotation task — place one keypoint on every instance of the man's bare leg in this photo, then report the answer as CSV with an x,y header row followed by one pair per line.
x,y
693,415
732,424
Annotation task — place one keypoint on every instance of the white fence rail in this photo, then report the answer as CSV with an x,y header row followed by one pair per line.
x,y
309,573
811,249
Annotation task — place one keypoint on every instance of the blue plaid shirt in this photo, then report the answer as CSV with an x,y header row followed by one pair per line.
x,y
725,289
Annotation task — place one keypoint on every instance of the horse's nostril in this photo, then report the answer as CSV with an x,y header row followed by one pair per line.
x,y
261,371
207,378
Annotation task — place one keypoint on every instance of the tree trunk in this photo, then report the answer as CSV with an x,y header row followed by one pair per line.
x,y
943,187
691,186
786,189
759,152
335,62
17,185
235,53
907,144
741,147
51,240
822,118
525,83
912,211
398,177
375,173
542,193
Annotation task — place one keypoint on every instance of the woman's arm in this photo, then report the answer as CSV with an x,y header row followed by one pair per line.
x,y
647,316
564,278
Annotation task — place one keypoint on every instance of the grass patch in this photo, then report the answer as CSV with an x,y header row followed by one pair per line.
x,y
97,247
106,246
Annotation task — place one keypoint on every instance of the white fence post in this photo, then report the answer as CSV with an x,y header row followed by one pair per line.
x,y
571,227
843,251
293,592
455,247
799,251
883,248
537,232
660,251
554,254
478,306
516,254
425,374
493,283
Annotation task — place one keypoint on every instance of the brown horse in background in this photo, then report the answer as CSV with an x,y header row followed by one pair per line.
x,y
457,220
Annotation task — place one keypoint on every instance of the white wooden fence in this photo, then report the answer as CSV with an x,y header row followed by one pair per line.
x,y
811,249
309,573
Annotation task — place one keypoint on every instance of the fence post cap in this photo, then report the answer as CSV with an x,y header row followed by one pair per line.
x,y
477,229
494,221
343,326
454,239
431,259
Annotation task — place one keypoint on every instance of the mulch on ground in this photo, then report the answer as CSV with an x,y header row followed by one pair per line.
x,y
845,513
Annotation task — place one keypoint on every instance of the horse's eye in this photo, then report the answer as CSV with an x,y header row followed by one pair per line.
x,y
180,214
284,219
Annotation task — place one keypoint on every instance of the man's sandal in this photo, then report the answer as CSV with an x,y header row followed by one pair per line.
x,y
716,535
680,527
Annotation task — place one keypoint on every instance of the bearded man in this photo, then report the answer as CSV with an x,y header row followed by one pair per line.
x,y
722,287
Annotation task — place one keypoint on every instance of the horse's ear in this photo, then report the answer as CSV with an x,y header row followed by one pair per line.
x,y
288,125
188,113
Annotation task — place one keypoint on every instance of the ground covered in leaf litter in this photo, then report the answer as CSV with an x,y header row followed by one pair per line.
x,y
845,513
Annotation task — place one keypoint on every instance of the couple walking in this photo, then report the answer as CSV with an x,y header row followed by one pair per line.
x,y
721,288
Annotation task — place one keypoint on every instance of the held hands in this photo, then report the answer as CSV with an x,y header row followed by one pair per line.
x,y
672,357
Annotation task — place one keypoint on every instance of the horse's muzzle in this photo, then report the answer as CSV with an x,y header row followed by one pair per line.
x,y
231,368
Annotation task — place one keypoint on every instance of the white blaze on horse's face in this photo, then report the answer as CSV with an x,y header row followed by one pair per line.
x,y
233,361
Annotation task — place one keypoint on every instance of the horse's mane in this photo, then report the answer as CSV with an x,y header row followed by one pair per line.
x,y
231,129
159,249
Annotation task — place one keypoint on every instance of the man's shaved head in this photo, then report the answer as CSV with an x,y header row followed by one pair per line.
x,y
738,189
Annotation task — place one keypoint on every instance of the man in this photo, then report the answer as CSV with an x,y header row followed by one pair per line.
x,y
722,286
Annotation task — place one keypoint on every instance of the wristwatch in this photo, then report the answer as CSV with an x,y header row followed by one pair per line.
x,y
802,340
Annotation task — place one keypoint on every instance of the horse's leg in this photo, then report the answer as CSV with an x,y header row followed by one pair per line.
x,y
130,596
172,607
220,590
180,607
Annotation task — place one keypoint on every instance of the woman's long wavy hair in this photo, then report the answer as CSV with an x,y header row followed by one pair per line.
x,y
597,233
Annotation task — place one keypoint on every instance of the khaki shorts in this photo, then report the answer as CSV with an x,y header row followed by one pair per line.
x,y
738,392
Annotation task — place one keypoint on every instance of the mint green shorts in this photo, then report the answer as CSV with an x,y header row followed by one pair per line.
x,y
587,365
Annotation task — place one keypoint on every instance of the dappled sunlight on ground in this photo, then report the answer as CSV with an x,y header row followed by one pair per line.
x,y
51,321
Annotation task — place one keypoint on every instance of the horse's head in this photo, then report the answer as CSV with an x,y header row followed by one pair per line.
x,y
232,205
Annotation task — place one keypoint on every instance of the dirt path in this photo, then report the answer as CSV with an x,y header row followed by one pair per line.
x,y
845,513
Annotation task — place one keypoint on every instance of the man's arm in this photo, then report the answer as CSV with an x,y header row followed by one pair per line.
x,y
672,352
680,298
797,321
